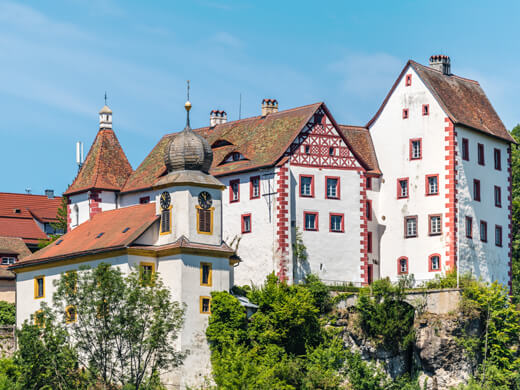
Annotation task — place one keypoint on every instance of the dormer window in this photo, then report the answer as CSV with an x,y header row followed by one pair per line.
x,y
234,156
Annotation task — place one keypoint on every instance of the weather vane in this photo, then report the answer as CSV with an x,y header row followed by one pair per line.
x,y
188,90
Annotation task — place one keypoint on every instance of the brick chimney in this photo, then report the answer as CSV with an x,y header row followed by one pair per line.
x,y
269,106
49,194
217,117
441,63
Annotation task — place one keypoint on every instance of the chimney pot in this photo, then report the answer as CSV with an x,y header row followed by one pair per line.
x,y
217,117
49,194
269,106
441,63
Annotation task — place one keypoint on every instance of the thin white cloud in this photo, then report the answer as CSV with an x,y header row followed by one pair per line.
x,y
227,39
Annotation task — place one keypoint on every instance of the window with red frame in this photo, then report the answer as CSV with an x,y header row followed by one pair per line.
x,y
336,223
435,227
310,220
234,191
476,190
402,188
408,81
410,227
483,231
465,149
369,242
402,265
369,183
405,113
368,210
307,186
246,223
415,149
426,109
144,200
498,159
434,263
498,196
498,235
469,227
432,185
254,188
480,154
332,186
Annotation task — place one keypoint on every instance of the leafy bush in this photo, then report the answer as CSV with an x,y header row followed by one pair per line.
x,y
448,281
7,313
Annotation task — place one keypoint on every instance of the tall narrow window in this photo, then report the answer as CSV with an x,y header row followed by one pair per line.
x,y
480,154
336,223
435,227
432,185
435,263
498,159
426,109
402,188
76,215
39,287
234,191
166,223
465,149
205,305
332,184
498,196
483,231
415,149
369,242
205,220
410,227
246,223
476,190
469,227
402,265
206,274
307,149
310,220
307,186
369,183
408,80
405,113
254,188
498,235
368,210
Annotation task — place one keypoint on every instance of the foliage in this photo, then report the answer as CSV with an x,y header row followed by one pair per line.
x,y
384,315
448,281
7,313
126,329
515,170
61,225
319,292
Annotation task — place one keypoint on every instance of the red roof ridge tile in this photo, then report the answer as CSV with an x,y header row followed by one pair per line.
x,y
438,71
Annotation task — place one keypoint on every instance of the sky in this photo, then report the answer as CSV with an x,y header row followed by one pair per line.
x,y
59,57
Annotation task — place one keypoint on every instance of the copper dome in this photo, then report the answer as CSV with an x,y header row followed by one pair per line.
x,y
188,151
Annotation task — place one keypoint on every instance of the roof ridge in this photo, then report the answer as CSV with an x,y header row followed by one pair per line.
x,y
450,75
20,194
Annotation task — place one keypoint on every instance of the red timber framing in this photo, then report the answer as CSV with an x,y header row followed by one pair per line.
x,y
450,218
510,222
69,211
282,221
320,135
94,201
364,229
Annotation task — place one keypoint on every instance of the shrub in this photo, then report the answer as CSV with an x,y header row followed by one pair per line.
x,y
7,313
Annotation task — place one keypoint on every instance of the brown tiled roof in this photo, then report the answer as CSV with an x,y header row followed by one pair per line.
x,y
14,245
85,238
262,140
360,140
38,206
106,166
463,100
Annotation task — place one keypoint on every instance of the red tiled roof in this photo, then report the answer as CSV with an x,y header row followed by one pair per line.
x,y
463,100
14,245
106,166
38,206
84,239
360,140
27,229
262,140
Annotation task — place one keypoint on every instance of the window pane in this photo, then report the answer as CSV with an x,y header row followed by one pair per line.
x,y
435,262
433,187
336,222
204,220
403,185
332,188
306,186
411,227
310,221
40,287
205,273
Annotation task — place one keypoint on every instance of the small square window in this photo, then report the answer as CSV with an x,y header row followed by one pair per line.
x,y
402,266
336,223
498,196
435,263
435,225
8,260
498,235
426,109
480,154
70,314
469,227
310,221
402,188
331,151
405,113
410,227
144,200
234,191
432,185
332,184
476,190
415,149
146,271
465,149
307,186
246,223
205,305
498,159
483,231
408,81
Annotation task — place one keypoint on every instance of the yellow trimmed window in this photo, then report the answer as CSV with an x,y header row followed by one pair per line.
x,y
146,271
205,305
38,318
70,314
205,220
166,221
39,287
206,274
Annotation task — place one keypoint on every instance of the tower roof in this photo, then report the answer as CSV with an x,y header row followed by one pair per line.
x,y
106,166
105,110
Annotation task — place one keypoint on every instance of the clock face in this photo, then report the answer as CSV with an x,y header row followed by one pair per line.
x,y
205,200
165,200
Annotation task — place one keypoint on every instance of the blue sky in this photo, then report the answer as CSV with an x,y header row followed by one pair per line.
x,y
59,57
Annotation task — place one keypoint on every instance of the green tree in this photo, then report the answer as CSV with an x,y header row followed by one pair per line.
x,y
7,313
60,225
515,170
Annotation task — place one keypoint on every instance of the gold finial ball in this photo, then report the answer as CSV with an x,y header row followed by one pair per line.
x,y
187,105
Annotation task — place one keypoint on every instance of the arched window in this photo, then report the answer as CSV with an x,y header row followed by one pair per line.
x,y
402,265
76,215
434,262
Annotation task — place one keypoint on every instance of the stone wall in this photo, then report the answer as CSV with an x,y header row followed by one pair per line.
x,y
7,342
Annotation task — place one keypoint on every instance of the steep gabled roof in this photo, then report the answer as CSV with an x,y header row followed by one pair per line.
x,y
87,238
360,140
14,245
106,166
463,100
